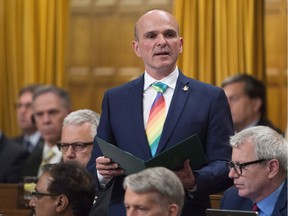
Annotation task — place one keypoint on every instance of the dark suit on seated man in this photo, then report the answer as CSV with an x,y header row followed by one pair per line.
x,y
259,171
12,157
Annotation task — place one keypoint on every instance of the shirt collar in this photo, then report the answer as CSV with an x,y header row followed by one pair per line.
x,y
170,80
267,205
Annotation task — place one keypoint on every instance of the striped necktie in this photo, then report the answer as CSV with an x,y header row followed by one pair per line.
x,y
156,117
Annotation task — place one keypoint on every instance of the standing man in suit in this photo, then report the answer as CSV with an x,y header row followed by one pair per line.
x,y
12,157
192,107
259,171
247,99
30,137
50,106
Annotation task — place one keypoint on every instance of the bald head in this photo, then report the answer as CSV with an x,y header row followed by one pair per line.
x,y
153,15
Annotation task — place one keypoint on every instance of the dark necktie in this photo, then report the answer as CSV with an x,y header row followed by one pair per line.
x,y
255,207
27,144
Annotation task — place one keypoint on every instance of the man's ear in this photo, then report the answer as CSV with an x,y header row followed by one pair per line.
x,y
61,203
257,104
173,210
135,46
273,168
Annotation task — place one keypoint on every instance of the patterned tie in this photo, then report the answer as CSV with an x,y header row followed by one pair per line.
x,y
156,117
47,157
255,207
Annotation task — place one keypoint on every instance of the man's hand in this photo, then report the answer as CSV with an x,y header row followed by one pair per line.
x,y
107,168
186,176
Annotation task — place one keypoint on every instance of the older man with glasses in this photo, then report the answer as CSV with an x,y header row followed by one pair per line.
x,y
78,132
259,171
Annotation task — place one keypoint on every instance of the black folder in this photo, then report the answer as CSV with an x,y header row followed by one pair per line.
x,y
172,158
225,212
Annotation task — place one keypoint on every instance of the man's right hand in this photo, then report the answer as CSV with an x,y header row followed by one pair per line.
x,y
107,168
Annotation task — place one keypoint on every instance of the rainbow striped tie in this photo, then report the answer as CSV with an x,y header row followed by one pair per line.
x,y
156,117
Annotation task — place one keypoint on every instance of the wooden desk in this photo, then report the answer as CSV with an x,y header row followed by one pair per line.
x,y
11,200
215,200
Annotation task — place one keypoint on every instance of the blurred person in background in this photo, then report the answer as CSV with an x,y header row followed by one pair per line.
x,y
50,106
12,157
247,99
30,137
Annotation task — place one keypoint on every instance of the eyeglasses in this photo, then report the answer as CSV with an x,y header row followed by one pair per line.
x,y
39,195
238,167
76,147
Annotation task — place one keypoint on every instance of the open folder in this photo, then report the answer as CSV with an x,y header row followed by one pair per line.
x,y
172,158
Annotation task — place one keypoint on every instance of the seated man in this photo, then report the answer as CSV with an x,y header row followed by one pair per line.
x,y
63,189
247,99
155,192
12,157
259,171
78,132
30,137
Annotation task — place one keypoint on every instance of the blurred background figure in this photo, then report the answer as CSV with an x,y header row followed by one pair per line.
x,y
78,132
155,192
50,106
12,157
247,99
30,137
63,189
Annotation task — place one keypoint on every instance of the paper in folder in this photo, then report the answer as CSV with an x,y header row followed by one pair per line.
x,y
172,158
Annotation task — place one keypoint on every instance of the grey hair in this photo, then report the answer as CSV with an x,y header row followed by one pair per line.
x,y
83,116
268,143
60,92
159,180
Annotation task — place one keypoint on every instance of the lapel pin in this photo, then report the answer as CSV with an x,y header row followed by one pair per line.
x,y
185,88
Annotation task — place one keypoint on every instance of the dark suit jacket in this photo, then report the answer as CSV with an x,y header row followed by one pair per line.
x,y
231,200
20,140
32,163
203,109
12,157
266,122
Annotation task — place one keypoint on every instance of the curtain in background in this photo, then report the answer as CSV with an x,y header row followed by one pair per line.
x,y
33,43
221,38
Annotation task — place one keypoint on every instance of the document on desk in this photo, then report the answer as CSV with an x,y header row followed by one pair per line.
x,y
172,158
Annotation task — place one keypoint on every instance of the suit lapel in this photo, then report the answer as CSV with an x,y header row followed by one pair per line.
x,y
281,204
136,111
181,93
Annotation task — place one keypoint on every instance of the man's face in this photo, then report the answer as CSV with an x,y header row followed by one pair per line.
x,y
43,205
158,42
77,134
147,204
49,113
24,112
254,178
244,110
